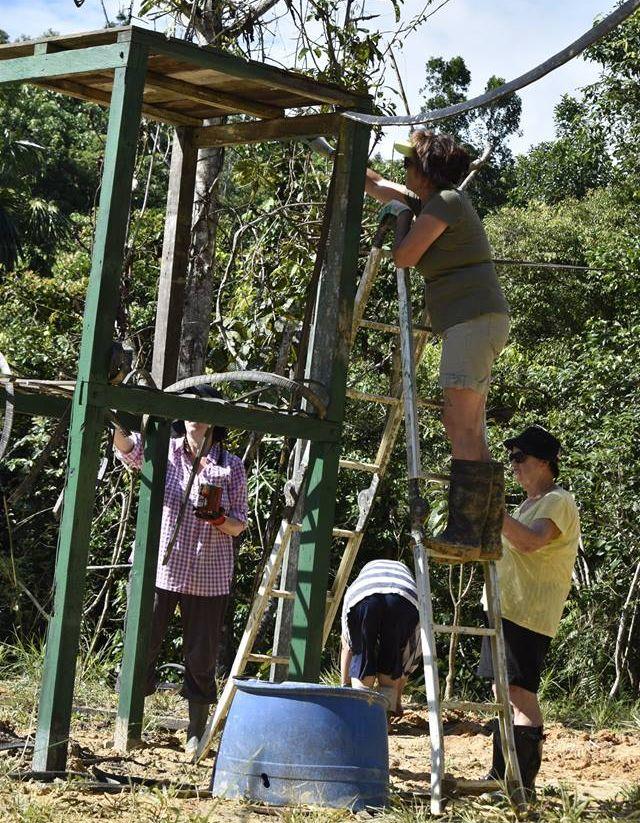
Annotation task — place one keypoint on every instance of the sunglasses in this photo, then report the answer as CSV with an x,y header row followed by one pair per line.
x,y
518,457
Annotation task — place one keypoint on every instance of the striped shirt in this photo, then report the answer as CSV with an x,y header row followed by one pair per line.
x,y
385,577
201,562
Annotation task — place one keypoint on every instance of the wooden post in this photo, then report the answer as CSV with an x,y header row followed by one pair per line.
x,y
56,696
329,352
175,260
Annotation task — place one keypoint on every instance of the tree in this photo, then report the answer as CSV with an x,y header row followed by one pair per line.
x,y
576,162
447,83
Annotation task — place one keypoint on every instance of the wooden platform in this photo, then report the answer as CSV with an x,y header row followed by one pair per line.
x,y
185,84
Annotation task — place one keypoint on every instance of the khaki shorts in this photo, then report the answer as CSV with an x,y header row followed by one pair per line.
x,y
469,349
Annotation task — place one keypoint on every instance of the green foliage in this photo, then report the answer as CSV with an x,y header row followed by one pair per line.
x,y
447,83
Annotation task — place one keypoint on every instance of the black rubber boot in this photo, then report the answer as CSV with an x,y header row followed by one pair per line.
x,y
491,548
498,767
528,741
469,492
198,716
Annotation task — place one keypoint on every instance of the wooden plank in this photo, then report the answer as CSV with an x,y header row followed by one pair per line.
x,y
56,697
103,98
202,94
220,412
248,70
128,725
96,37
64,63
175,257
331,333
44,405
285,128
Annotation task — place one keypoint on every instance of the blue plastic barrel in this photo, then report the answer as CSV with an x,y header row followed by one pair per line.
x,y
303,743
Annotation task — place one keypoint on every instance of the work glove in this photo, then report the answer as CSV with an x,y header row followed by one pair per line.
x,y
392,209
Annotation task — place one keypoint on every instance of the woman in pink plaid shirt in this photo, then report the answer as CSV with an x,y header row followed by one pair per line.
x,y
198,572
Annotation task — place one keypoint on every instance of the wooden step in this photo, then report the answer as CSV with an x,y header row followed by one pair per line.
x,y
389,400
267,658
283,594
359,466
343,533
390,328
459,786
481,631
471,706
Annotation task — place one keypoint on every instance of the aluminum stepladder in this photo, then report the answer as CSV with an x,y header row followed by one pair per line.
x,y
441,790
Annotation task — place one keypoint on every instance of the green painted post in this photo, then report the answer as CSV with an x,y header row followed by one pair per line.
x,y
56,695
331,333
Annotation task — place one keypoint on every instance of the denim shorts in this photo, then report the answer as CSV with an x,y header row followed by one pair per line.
x,y
469,349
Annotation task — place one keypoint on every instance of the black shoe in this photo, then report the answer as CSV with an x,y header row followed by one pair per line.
x,y
469,493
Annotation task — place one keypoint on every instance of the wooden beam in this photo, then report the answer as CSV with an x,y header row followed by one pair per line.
x,y
56,696
64,63
220,412
103,98
203,94
175,257
285,128
39,405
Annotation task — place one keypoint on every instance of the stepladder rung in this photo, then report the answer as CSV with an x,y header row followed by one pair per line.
x,y
370,397
459,786
283,594
348,533
390,400
480,631
390,327
472,706
358,465
266,658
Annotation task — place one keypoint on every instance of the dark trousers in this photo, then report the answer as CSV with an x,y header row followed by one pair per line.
x,y
201,625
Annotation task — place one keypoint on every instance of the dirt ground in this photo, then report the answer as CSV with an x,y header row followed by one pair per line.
x,y
599,765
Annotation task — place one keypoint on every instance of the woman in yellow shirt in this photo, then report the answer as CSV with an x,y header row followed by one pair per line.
x,y
540,543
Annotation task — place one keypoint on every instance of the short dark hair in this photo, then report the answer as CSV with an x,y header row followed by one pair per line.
x,y
440,158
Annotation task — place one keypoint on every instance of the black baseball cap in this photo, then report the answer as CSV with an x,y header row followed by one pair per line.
x,y
536,441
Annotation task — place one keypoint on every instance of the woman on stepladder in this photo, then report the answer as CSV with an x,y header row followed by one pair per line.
x,y
439,233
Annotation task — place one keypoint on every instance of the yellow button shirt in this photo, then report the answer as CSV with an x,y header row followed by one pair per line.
x,y
534,587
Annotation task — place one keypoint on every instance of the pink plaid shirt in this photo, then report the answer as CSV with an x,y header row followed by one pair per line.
x,y
202,559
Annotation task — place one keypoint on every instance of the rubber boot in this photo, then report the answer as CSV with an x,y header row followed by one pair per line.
x,y
491,548
469,492
198,716
528,740
498,767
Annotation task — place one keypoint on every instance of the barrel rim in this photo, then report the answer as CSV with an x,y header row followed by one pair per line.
x,y
290,688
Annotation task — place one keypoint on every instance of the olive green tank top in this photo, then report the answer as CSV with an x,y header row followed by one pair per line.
x,y
461,280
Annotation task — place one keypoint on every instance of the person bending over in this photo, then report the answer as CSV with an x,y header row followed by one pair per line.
x,y
198,572
540,547
439,232
380,630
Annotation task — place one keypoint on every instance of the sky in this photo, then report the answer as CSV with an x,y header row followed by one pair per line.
x,y
501,37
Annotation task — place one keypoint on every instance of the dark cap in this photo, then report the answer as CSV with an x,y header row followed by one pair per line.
x,y
206,392
537,442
